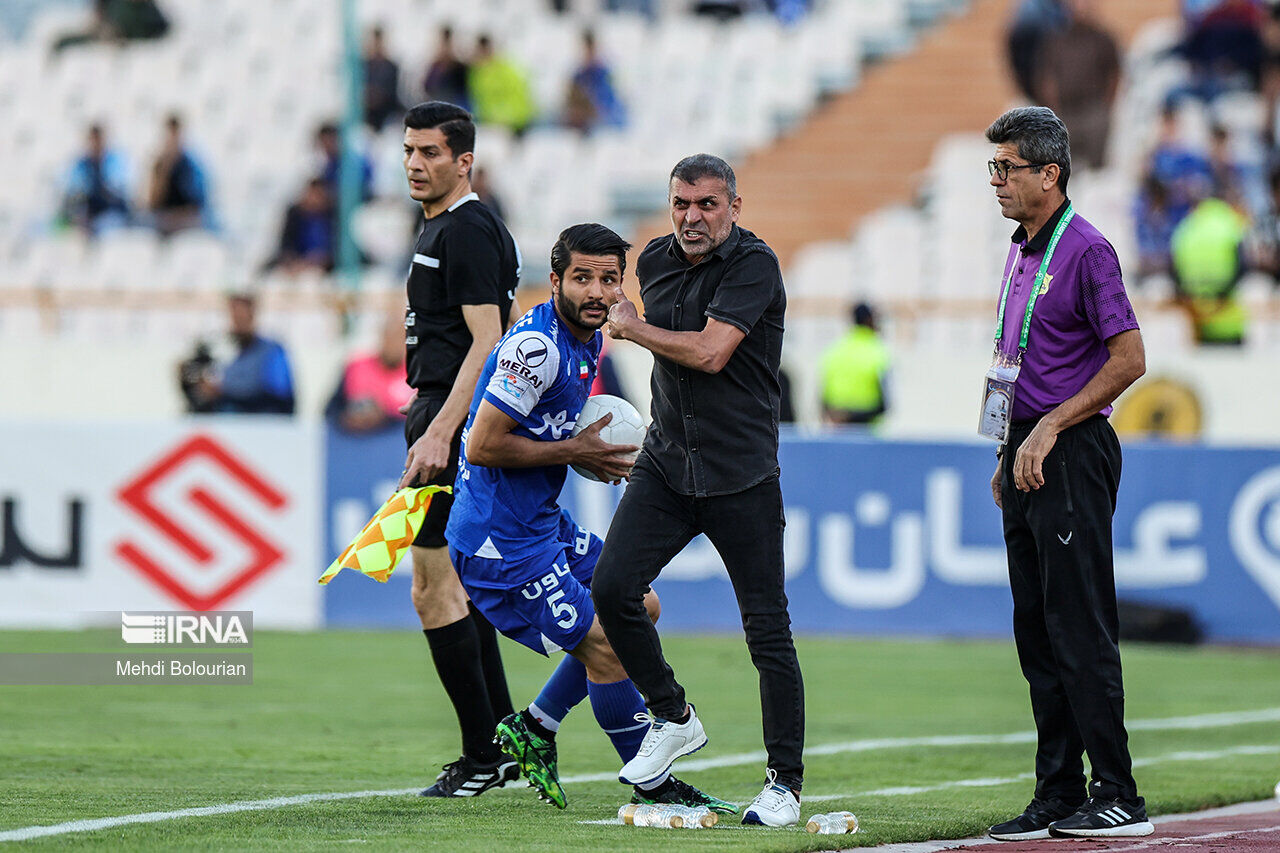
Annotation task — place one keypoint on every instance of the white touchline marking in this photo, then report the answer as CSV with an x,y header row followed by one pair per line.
x,y
908,790
1158,842
29,832
1203,721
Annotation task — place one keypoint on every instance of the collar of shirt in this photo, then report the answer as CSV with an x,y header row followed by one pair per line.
x,y
720,252
1040,242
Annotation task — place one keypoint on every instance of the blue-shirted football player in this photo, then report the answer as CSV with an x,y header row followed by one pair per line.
x,y
525,563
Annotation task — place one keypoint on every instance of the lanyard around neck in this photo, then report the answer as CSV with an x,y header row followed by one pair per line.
x,y
1067,216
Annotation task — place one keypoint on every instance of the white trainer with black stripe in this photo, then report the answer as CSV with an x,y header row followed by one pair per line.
x,y
1099,818
776,805
663,743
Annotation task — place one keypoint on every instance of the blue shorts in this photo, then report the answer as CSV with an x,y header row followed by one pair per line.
x,y
551,613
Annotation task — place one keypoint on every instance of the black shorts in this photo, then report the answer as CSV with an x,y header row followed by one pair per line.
x,y
421,413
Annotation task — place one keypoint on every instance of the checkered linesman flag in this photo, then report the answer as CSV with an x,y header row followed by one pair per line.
x,y
379,547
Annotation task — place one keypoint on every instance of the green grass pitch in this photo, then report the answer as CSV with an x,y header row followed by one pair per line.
x,y
351,711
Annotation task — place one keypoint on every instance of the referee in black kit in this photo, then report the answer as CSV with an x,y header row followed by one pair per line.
x,y
461,298
714,304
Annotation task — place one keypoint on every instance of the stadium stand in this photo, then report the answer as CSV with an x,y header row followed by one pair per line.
x,y
834,121
253,80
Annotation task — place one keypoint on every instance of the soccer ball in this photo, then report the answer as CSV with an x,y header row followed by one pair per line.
x,y
627,426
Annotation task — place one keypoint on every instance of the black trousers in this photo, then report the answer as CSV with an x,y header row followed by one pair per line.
x,y
1064,610
652,524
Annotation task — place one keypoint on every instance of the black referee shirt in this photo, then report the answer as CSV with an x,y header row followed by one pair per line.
x,y
715,434
464,256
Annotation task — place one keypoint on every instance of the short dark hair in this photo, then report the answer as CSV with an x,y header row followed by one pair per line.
x,y
455,123
1040,136
589,238
698,166
862,315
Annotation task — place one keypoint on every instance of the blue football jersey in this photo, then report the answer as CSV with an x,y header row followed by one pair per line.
x,y
539,374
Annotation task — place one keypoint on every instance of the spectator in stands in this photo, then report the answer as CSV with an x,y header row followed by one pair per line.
x,y
329,143
258,380
1154,219
97,189
177,198
119,21
1033,22
480,186
373,386
309,234
499,89
1208,260
446,76
592,101
854,373
381,82
721,10
1174,178
1079,76
1224,45
1234,179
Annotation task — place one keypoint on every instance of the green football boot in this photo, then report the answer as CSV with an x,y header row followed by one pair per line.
x,y
676,793
536,756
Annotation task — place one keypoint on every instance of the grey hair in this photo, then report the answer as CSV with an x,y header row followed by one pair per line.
x,y
698,166
1040,136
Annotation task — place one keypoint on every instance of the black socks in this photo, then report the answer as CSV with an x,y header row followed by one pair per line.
x,y
456,651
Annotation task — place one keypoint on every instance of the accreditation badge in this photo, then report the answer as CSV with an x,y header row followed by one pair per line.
x,y
997,399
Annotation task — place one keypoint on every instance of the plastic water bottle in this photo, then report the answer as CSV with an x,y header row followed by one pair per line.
x,y
834,823
667,816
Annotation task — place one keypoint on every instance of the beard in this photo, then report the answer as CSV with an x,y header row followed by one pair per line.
x,y
573,313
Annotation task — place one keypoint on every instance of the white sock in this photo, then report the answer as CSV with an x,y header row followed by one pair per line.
x,y
543,718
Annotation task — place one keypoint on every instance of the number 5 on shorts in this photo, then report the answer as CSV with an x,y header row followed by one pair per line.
x,y
566,614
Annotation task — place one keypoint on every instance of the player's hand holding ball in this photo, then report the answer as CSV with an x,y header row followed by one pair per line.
x,y
608,433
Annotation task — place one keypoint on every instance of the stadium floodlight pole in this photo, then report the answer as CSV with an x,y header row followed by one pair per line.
x,y
350,171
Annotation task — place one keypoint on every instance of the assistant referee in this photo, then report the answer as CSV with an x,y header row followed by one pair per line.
x,y
461,292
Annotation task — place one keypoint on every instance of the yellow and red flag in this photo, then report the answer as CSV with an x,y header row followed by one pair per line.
x,y
378,549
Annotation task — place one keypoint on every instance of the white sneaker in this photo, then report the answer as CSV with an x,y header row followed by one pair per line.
x,y
663,743
776,805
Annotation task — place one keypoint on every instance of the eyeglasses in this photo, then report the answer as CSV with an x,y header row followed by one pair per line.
x,y
1002,168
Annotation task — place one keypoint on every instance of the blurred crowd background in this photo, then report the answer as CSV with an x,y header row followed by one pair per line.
x,y
160,155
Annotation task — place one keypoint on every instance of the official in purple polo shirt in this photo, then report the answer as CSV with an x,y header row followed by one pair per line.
x,y
1066,345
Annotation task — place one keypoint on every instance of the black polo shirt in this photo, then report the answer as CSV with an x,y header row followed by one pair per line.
x,y
715,434
463,256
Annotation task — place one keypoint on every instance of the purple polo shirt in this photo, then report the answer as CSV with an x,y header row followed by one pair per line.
x,y
1082,303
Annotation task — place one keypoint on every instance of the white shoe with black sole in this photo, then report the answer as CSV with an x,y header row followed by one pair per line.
x,y
1100,818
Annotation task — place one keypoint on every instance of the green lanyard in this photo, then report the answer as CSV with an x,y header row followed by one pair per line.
x,y
1067,216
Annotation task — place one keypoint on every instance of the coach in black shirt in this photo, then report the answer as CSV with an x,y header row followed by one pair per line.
x,y
714,304
461,292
